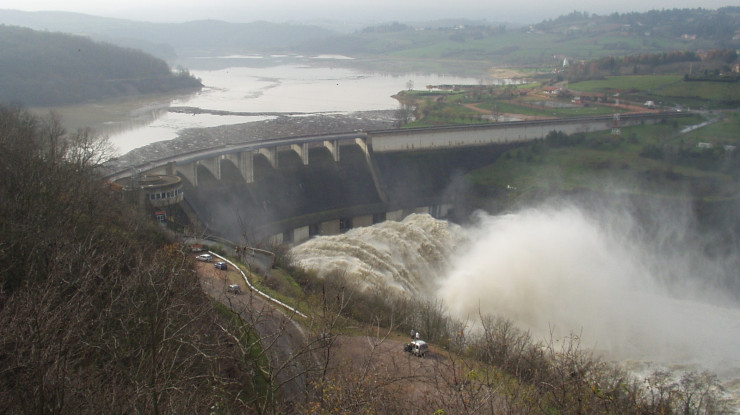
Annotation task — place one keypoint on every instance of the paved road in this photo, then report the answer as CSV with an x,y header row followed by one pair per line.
x,y
194,139
282,338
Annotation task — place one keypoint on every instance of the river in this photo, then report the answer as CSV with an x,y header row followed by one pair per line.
x,y
245,89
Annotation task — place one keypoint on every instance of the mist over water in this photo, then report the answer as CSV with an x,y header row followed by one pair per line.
x,y
627,292
560,271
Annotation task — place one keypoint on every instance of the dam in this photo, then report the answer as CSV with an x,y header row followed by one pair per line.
x,y
291,189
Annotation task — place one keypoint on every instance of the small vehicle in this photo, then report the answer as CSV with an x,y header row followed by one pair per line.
x,y
205,257
221,265
234,289
417,348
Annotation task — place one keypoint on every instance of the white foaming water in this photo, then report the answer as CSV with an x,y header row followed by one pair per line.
x,y
408,255
553,271
557,271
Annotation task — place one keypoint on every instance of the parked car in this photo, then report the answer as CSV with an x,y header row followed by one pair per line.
x,y
220,265
205,257
234,289
417,348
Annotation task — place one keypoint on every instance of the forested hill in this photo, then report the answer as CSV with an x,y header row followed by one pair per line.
x,y
718,25
44,68
577,36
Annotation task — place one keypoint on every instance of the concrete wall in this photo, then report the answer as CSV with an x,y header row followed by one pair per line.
x,y
330,183
330,227
441,138
301,234
362,221
396,215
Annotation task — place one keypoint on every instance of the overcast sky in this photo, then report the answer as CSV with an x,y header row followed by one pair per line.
x,y
525,11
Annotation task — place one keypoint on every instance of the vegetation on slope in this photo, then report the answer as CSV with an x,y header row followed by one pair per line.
x,y
657,154
99,312
173,40
495,368
577,36
471,47
671,81
41,68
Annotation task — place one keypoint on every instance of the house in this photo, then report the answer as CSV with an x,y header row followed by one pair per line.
x,y
552,90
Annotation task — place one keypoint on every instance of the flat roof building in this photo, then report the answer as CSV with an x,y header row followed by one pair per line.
x,y
158,190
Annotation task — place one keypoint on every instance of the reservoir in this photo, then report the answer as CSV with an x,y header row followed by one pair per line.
x,y
240,89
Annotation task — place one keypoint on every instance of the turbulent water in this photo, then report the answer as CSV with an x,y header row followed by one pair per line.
x,y
561,271
407,255
556,271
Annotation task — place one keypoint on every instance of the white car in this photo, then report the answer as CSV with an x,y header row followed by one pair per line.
x,y
234,288
205,257
417,348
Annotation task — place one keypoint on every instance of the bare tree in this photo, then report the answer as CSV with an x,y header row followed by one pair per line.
x,y
97,314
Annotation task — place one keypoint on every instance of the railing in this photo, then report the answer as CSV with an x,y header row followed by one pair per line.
x,y
254,289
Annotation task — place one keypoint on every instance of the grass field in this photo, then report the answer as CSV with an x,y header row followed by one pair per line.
x,y
536,109
603,161
627,83
666,89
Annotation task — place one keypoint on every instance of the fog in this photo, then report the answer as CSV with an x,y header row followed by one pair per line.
x,y
527,11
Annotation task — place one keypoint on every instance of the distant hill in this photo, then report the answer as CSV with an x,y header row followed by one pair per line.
x,y
469,47
577,36
719,25
44,68
170,40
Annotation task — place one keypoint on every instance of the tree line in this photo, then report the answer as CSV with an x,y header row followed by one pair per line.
x,y
718,25
650,63
100,312
43,68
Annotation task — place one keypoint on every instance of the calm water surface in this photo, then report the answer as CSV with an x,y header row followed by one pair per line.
x,y
249,92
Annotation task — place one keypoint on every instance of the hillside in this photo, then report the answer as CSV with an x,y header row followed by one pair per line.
x,y
99,311
43,68
577,36
470,47
172,40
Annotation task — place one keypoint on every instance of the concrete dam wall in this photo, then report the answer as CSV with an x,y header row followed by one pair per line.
x,y
292,189
298,201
